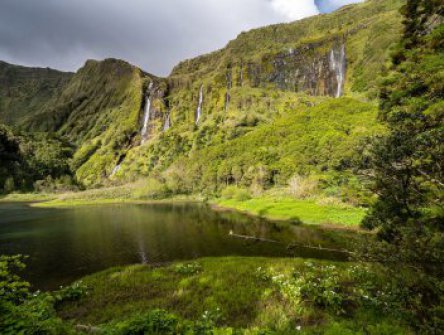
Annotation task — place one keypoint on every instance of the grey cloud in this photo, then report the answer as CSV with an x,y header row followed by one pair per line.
x,y
149,33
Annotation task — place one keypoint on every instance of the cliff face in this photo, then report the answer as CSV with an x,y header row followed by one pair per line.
x,y
314,69
125,122
327,55
155,111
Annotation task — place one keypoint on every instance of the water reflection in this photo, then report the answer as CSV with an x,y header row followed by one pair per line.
x,y
65,244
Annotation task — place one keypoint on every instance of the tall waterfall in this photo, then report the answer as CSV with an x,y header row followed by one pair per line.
x,y
199,106
167,124
338,64
146,120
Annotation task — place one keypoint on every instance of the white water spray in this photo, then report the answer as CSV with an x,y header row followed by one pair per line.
x,y
146,120
167,124
116,169
199,106
338,64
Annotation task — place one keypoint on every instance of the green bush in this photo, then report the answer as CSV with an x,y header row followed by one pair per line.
x,y
12,288
73,292
242,195
229,192
22,312
154,322
188,268
151,188
236,193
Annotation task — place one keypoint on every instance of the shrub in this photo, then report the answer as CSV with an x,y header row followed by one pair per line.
x,y
151,188
242,195
188,268
73,292
317,285
236,193
302,187
154,322
229,192
12,288
21,312
9,185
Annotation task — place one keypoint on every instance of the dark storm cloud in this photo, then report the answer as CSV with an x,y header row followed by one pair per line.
x,y
150,33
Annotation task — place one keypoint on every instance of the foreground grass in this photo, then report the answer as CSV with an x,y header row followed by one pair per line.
x,y
230,287
307,211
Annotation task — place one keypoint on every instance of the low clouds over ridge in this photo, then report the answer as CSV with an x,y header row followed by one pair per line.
x,y
152,34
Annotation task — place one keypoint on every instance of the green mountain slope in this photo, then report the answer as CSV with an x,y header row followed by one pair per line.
x,y
24,91
265,74
100,112
126,124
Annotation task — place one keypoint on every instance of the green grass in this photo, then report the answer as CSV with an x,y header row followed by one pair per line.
x,y
65,203
231,286
27,197
307,211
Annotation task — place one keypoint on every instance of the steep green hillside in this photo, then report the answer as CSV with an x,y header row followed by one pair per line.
x,y
267,74
126,124
27,158
324,141
24,91
99,111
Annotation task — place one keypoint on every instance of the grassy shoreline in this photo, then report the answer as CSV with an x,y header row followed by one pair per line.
x,y
307,212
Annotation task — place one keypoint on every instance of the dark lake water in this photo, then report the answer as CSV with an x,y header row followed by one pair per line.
x,y
66,244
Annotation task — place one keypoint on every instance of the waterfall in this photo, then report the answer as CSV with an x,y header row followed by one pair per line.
x,y
167,124
241,77
146,120
116,169
229,86
338,64
118,165
199,106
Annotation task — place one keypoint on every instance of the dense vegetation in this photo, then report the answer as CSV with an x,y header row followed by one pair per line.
x,y
408,163
25,91
251,82
34,161
222,296
259,142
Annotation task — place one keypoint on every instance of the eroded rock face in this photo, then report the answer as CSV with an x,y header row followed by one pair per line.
x,y
154,111
318,69
313,69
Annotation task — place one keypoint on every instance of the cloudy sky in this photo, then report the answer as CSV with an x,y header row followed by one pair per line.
x,y
153,34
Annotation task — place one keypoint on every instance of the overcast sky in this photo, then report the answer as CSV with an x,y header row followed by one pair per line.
x,y
153,34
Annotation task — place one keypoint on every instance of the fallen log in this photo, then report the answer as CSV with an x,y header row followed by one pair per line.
x,y
254,238
294,245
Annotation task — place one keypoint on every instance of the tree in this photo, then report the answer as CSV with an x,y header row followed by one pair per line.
x,y
409,162
408,165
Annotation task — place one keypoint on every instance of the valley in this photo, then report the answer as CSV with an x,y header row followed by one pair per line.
x,y
288,183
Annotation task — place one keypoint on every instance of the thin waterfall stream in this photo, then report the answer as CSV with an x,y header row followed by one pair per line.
x,y
338,64
199,106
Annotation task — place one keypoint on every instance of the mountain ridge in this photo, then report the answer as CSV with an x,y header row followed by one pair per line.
x,y
110,110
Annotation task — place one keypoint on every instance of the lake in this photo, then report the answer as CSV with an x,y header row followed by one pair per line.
x,y
65,244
